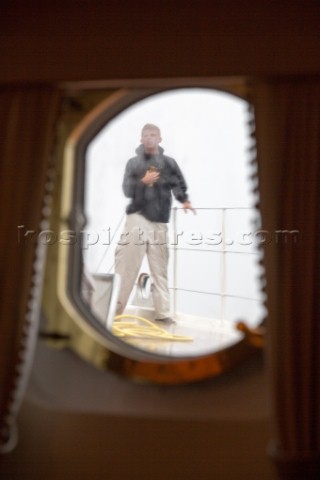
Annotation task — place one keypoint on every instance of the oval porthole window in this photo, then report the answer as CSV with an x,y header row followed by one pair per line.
x,y
195,252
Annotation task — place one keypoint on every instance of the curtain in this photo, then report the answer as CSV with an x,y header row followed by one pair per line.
x,y
287,116
27,123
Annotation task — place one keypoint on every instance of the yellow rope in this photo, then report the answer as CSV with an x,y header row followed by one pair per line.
x,y
148,330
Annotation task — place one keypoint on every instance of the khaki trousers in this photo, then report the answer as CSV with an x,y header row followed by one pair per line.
x,y
141,237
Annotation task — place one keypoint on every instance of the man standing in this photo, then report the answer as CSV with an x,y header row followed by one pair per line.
x,y
150,179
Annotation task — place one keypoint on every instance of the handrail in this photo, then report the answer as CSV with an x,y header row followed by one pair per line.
x,y
223,251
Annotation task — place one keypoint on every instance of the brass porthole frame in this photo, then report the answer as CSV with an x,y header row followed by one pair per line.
x,y
134,364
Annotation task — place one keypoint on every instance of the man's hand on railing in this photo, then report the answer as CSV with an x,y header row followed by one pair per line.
x,y
187,206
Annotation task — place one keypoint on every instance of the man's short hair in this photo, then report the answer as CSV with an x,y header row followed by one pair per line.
x,y
150,126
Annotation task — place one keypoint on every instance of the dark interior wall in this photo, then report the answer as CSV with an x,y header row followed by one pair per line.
x,y
62,446
81,423
90,40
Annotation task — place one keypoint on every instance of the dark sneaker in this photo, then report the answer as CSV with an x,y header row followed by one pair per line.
x,y
167,320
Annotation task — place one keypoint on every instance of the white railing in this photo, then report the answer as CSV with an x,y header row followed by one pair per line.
x,y
224,251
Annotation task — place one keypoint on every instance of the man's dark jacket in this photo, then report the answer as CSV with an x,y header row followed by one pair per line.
x,y
153,202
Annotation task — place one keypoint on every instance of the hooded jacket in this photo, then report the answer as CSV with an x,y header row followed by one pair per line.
x,y
153,202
